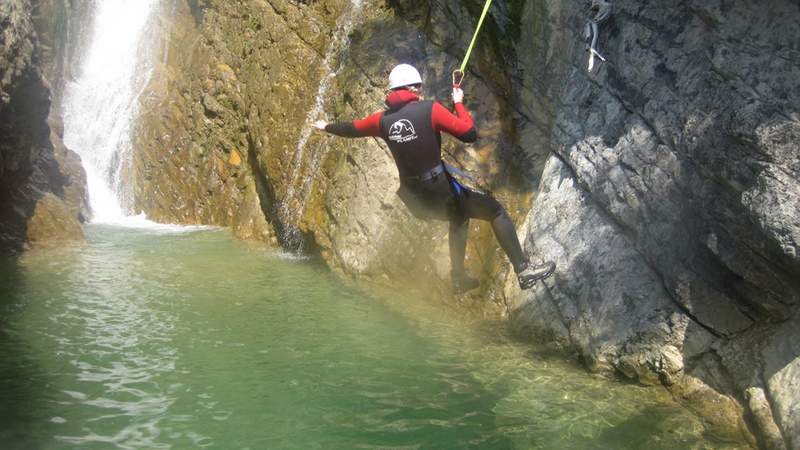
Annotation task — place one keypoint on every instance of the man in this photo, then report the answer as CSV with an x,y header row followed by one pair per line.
x,y
412,127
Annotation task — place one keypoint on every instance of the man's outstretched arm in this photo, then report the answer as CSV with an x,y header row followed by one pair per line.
x,y
368,126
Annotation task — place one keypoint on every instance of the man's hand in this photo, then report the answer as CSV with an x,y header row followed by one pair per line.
x,y
458,95
320,125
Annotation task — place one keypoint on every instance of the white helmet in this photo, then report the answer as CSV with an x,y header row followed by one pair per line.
x,y
404,75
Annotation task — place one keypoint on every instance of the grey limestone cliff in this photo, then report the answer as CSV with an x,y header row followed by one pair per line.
x,y
671,203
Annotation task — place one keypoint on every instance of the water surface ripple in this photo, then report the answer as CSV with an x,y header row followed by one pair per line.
x,y
150,340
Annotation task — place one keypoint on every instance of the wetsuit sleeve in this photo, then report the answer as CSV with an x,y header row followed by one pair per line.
x,y
368,126
461,125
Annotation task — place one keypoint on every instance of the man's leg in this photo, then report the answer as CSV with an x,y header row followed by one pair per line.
x,y
457,238
477,205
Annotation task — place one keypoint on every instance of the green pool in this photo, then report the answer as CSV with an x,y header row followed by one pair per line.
x,y
157,339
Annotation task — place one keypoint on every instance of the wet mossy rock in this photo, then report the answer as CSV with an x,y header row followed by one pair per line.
x,y
225,107
53,222
664,184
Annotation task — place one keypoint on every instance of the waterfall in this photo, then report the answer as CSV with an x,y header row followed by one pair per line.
x,y
101,104
293,205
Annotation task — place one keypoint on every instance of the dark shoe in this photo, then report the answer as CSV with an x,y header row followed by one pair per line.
x,y
530,273
464,283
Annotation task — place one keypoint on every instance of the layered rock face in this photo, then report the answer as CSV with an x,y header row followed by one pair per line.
x,y
671,203
41,181
664,184
235,79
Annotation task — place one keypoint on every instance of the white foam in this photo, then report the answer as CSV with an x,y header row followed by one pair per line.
x,y
141,222
288,256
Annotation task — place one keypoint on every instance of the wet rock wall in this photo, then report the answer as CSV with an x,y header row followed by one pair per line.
x,y
42,185
224,110
226,136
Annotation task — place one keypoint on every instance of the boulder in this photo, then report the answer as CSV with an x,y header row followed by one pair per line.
x,y
53,222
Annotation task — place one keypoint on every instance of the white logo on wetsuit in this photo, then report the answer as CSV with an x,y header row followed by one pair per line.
x,y
402,131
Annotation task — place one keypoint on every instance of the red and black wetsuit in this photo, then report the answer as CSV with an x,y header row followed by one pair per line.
x,y
412,129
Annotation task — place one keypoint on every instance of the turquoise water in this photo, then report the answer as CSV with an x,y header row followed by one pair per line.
x,y
152,340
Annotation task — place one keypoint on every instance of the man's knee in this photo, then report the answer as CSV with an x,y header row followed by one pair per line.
x,y
497,210
457,220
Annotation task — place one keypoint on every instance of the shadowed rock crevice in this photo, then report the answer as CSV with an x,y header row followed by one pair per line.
x,y
265,195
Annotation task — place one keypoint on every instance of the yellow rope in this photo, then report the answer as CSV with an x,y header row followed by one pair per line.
x,y
475,36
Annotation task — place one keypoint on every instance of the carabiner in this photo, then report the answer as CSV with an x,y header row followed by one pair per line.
x,y
458,78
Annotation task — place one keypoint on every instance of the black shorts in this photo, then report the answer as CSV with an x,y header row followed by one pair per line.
x,y
444,198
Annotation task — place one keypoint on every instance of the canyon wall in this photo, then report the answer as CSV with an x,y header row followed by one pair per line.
x,y
226,137
664,183
670,204
42,184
